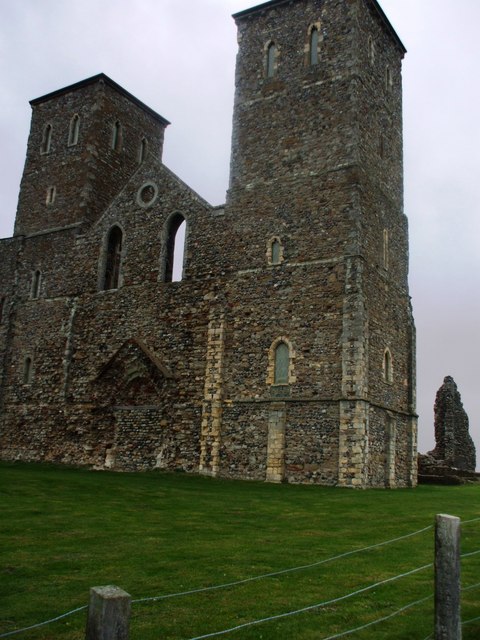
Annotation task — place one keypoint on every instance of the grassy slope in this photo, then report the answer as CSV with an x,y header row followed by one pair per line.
x,y
63,531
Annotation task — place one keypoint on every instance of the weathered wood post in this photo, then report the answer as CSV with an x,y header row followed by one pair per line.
x,y
108,614
448,623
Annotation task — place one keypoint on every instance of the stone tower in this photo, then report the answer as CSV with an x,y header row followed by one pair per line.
x,y
70,178
316,177
286,351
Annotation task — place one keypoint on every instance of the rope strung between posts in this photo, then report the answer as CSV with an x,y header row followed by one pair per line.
x,y
314,606
283,571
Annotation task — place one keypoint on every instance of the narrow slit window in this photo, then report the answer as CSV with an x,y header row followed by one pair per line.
x,y
314,40
51,193
175,248
271,59
36,284
27,370
113,259
282,363
371,50
74,130
142,150
2,306
385,249
46,139
387,366
117,136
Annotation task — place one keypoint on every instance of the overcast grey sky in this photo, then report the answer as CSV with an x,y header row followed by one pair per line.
x,y
178,56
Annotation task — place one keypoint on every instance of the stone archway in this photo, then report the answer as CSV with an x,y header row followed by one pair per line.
x,y
134,390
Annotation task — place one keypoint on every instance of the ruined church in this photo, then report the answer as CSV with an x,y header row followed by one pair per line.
x,y
285,351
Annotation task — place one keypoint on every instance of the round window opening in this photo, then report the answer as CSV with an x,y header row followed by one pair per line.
x,y
147,194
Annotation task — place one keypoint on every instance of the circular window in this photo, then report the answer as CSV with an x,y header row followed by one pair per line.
x,y
147,194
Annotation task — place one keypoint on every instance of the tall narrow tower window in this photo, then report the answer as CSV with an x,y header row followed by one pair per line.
x,y
74,130
51,193
46,139
2,305
27,370
117,136
36,283
387,366
385,248
271,59
175,248
282,363
371,50
274,251
113,259
314,40
142,150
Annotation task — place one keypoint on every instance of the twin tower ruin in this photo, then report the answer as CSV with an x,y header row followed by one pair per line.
x,y
286,351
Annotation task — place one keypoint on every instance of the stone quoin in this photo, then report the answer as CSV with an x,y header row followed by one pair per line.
x,y
286,352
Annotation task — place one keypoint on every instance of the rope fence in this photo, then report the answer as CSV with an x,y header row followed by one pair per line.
x,y
297,611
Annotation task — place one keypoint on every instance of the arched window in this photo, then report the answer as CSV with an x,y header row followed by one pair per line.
x,y
274,251
387,366
74,130
113,260
36,284
117,136
27,370
142,150
175,248
46,139
282,363
271,59
313,48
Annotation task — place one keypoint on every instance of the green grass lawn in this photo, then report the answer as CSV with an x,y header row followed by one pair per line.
x,y
63,531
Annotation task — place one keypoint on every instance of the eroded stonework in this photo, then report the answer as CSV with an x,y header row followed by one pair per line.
x,y
287,350
453,443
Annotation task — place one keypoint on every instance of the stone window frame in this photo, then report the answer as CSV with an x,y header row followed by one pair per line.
x,y
27,369
116,143
51,195
46,144
167,253
387,366
74,130
104,258
36,284
139,200
142,150
309,62
271,363
270,243
271,64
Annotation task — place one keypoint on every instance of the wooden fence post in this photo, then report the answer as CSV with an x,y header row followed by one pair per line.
x,y
108,614
448,623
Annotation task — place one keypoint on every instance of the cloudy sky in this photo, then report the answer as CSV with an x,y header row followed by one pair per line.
x,y
178,56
